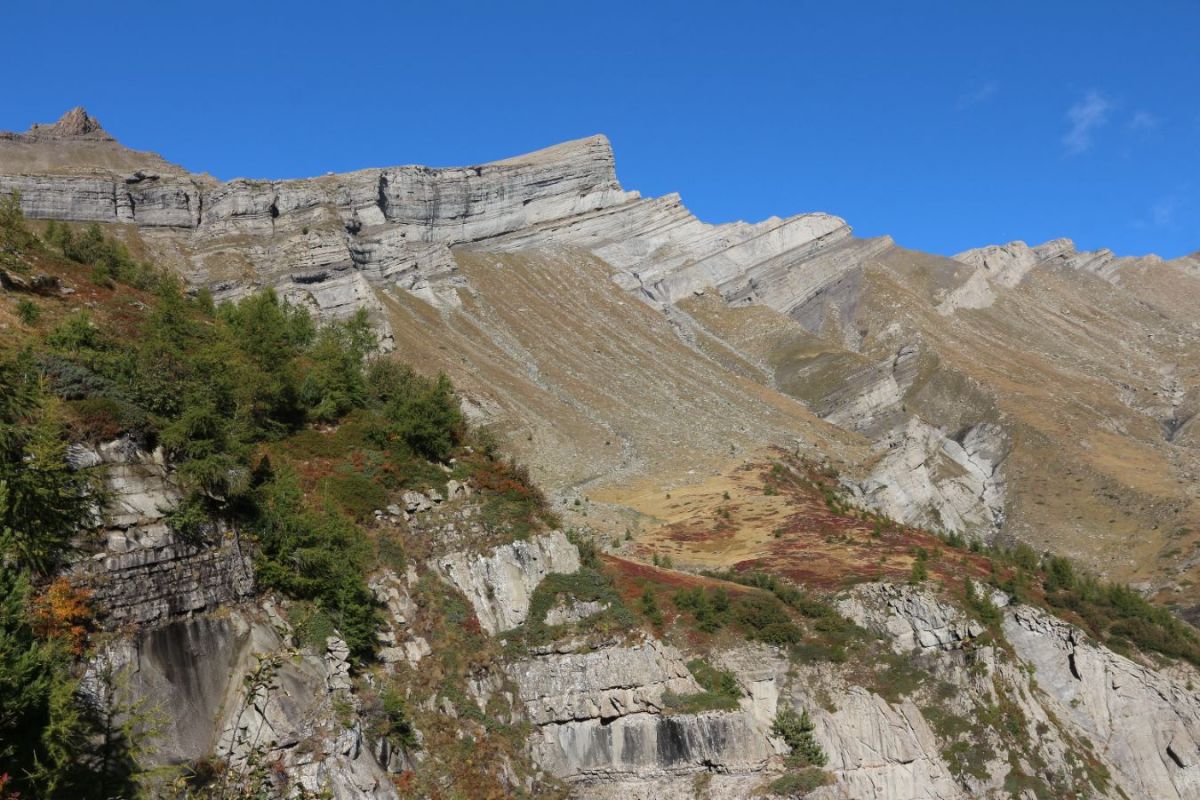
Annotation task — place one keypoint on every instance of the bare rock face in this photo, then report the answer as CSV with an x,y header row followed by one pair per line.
x,y
394,227
500,583
909,617
1145,722
882,752
601,684
926,478
1008,264
193,674
1142,723
600,718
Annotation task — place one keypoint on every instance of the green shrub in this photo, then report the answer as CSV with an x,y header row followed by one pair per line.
x,y
982,605
762,618
799,782
1060,574
423,412
316,556
796,730
709,609
76,333
15,238
396,722
28,311
109,259
43,502
311,625
355,493
650,609
334,381
919,573
719,691
1118,615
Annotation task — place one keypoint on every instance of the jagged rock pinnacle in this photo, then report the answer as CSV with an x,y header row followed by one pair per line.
x,y
75,123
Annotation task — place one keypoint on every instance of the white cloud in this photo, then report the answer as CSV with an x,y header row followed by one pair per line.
x,y
977,95
1162,213
1086,117
1144,122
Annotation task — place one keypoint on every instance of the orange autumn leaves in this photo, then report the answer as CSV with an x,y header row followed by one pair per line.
x,y
63,612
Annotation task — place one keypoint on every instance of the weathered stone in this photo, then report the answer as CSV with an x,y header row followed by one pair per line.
x,y
909,616
1144,723
500,583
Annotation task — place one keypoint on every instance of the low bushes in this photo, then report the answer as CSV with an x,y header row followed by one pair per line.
x,y
719,691
799,782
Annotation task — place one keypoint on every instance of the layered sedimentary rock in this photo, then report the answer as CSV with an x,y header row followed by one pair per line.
x,y
145,573
1008,264
882,751
927,478
394,226
313,238
600,716
912,619
1083,699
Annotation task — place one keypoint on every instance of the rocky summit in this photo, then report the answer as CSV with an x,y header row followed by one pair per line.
x,y
693,510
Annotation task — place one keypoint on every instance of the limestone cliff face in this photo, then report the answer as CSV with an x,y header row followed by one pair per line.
x,y
1084,700
601,719
316,238
1145,721
1008,264
144,573
319,239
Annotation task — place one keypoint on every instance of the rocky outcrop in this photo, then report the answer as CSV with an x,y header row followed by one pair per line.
x,y
1008,264
600,717
230,686
880,751
76,123
909,617
1145,723
396,641
601,684
323,241
924,477
1084,701
500,583
650,746
145,573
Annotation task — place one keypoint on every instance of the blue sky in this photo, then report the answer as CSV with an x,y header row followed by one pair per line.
x,y
946,124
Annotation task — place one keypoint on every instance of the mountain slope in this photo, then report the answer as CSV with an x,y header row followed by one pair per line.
x,y
1038,393
798,471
